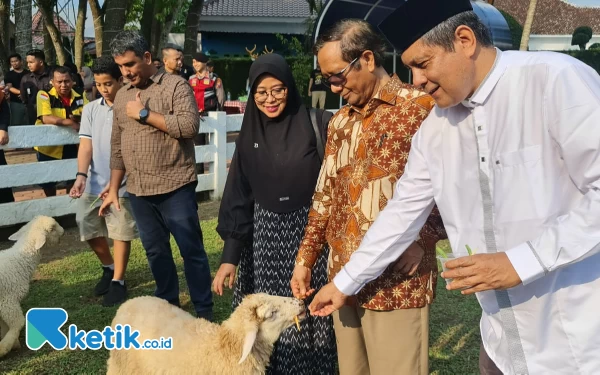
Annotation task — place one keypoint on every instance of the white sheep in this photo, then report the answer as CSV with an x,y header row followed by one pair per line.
x,y
240,345
17,265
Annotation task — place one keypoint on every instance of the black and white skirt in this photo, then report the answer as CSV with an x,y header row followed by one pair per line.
x,y
267,268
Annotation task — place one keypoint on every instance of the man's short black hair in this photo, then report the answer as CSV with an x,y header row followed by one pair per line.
x,y
62,70
13,56
37,53
106,65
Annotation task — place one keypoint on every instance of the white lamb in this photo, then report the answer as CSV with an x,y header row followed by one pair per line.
x,y
240,345
17,265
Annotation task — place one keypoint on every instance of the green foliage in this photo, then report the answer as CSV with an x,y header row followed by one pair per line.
x,y
595,46
302,66
516,30
581,36
180,18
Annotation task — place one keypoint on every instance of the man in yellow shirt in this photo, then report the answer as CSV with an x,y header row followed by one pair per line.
x,y
60,106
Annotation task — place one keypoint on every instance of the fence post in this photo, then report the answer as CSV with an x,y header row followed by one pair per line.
x,y
219,167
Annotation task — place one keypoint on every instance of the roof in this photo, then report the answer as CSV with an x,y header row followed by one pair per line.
x,y
553,17
257,8
62,25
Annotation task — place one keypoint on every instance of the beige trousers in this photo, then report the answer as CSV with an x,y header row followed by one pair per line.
x,y
382,342
318,98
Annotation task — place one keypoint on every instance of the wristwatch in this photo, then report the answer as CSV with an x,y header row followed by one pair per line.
x,y
144,113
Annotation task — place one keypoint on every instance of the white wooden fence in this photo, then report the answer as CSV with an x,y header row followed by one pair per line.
x,y
216,153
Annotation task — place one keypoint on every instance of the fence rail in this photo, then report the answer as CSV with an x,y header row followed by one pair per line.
x,y
216,153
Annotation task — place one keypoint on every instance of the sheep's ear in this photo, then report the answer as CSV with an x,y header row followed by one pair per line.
x,y
20,233
264,312
248,344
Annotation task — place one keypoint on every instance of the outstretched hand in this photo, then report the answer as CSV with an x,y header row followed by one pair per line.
x,y
328,300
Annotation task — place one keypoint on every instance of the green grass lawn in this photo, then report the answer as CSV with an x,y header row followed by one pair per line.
x,y
68,283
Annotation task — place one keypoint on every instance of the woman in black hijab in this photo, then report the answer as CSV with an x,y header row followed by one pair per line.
x,y
265,208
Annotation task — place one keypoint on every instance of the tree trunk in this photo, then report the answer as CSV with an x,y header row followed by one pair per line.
x,y
5,37
168,24
98,16
79,30
527,26
48,46
156,30
23,26
147,20
192,24
53,32
114,22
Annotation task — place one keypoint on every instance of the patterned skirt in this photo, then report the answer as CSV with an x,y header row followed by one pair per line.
x,y
267,268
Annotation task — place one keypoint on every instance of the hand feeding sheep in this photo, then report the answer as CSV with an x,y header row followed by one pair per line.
x,y
240,345
17,265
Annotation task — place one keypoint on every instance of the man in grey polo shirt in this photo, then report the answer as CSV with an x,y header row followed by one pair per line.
x,y
93,162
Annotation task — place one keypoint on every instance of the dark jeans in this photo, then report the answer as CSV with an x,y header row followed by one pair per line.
x,y
6,194
176,213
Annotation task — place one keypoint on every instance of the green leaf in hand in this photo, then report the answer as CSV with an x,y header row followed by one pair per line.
x,y
469,250
441,253
94,202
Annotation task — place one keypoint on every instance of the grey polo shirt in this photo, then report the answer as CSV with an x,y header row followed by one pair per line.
x,y
96,124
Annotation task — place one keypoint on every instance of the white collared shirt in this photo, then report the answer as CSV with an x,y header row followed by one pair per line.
x,y
516,168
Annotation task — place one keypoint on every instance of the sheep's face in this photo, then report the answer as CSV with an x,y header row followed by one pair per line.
x,y
54,233
265,317
276,314
41,230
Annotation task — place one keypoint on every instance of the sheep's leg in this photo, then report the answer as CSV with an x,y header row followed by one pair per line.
x,y
4,330
13,317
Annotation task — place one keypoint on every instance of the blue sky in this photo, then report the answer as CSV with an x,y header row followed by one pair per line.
x,y
594,3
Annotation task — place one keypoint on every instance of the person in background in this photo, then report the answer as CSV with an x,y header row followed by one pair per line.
x,y
77,79
94,174
172,58
13,78
157,63
208,88
210,65
37,79
6,194
155,119
317,89
265,208
88,83
60,106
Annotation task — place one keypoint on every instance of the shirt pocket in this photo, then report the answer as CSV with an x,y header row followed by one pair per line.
x,y
523,156
519,185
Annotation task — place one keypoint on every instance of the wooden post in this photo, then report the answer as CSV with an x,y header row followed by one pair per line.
x,y
218,167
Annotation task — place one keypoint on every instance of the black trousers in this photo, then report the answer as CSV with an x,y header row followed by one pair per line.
x,y
6,194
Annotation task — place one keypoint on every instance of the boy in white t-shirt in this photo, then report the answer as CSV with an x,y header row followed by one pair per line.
x,y
93,175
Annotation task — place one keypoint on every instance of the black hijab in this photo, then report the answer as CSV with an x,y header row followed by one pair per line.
x,y
279,155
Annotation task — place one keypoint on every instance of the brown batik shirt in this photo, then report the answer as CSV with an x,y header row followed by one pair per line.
x,y
156,162
365,156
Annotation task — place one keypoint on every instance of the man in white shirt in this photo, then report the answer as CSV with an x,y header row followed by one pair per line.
x,y
511,158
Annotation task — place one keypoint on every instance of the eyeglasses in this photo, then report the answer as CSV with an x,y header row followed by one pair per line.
x,y
339,79
277,93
